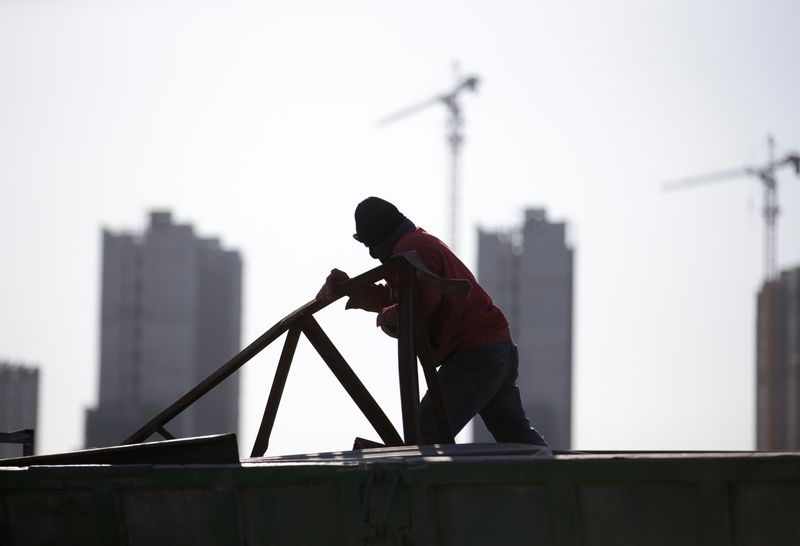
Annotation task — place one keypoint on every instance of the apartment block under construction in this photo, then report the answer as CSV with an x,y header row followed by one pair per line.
x,y
528,271
171,308
778,363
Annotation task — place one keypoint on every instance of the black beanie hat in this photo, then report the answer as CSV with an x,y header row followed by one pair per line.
x,y
375,220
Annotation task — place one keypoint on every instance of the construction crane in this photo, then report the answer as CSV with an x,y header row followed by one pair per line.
x,y
769,376
766,174
455,136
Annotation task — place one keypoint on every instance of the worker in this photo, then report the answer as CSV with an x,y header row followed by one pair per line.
x,y
470,337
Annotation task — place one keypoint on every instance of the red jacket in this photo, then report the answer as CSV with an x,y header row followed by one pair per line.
x,y
454,324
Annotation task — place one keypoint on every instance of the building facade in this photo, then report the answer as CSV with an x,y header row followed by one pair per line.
x,y
528,271
778,363
19,402
170,315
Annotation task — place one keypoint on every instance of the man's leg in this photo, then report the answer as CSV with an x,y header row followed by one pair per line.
x,y
468,381
504,415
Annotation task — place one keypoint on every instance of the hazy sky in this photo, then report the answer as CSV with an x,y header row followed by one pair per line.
x,y
256,122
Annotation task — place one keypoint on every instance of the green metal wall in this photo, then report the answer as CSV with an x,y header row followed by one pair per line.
x,y
736,500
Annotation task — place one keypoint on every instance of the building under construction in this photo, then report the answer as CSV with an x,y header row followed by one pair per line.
x,y
528,271
170,313
778,363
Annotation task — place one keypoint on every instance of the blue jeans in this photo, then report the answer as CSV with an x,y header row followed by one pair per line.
x,y
481,381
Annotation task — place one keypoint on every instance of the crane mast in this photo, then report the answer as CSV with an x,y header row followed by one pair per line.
x,y
455,140
771,211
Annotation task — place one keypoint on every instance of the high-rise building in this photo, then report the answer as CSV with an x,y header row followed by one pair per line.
x,y
170,315
778,363
19,402
528,271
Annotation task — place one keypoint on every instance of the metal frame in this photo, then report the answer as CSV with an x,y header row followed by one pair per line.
x,y
412,343
26,437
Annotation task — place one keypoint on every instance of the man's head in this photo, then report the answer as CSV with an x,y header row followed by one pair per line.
x,y
376,219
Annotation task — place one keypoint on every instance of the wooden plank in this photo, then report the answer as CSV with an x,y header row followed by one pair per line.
x,y
406,356
214,449
351,383
217,377
167,435
424,352
278,383
244,356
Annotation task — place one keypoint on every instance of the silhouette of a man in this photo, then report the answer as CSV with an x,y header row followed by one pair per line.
x,y
470,337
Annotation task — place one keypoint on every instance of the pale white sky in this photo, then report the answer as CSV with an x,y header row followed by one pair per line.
x,y
255,121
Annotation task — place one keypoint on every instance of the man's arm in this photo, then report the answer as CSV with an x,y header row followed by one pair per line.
x,y
370,298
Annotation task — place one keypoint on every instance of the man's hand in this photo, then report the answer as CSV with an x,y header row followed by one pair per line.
x,y
387,320
387,316
334,278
